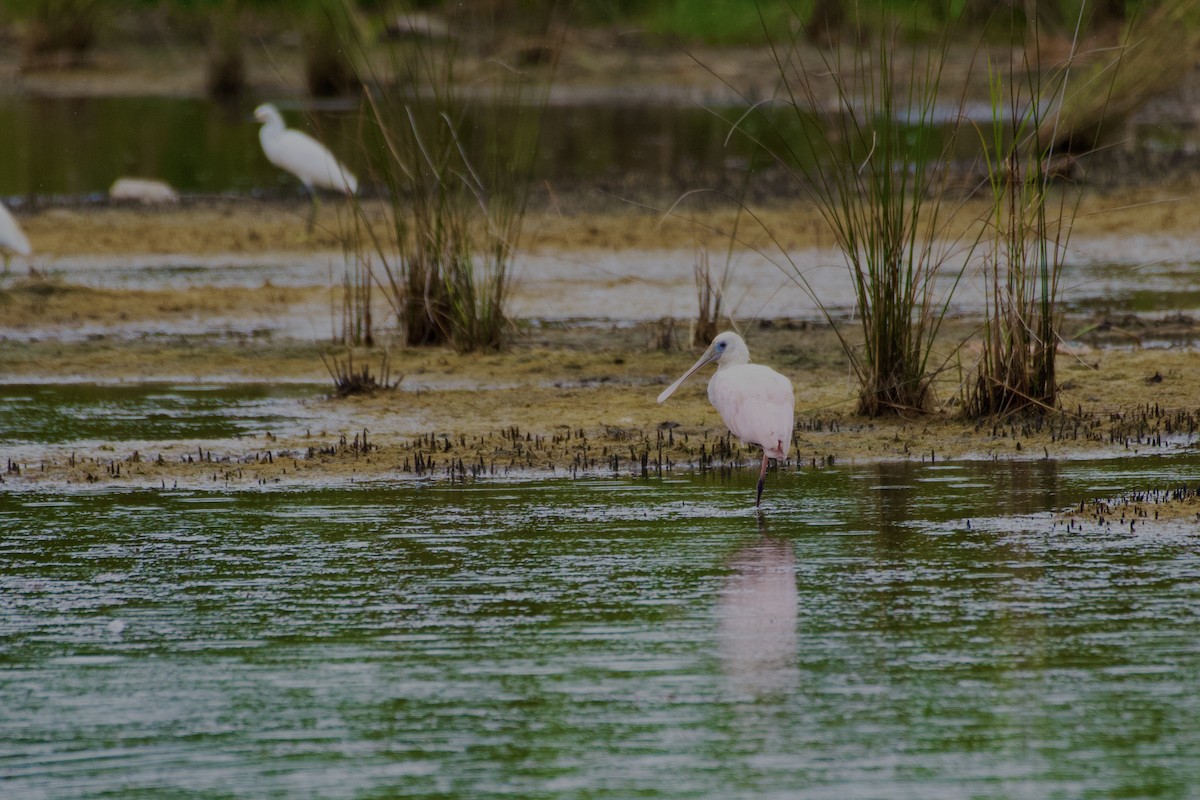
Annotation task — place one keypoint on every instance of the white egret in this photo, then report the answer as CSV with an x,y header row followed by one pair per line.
x,y
303,156
146,191
755,401
12,238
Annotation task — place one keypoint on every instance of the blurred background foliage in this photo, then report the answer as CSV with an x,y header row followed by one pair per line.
x,y
72,26
323,47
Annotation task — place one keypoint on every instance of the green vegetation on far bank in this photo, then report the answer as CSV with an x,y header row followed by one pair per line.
x,y
79,24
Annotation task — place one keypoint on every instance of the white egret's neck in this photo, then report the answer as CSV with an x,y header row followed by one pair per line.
x,y
271,119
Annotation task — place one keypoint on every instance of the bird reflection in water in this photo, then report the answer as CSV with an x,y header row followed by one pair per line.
x,y
757,613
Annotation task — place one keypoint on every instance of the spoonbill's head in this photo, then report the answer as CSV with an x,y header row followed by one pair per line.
x,y
726,348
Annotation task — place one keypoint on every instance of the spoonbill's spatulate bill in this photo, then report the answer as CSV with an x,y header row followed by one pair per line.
x,y
303,156
12,238
756,402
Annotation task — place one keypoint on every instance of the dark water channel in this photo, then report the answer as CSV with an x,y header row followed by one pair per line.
x,y
899,631
79,146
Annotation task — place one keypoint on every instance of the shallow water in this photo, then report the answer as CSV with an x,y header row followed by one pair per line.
x,y
604,141
78,146
894,630
87,413
603,638
1111,276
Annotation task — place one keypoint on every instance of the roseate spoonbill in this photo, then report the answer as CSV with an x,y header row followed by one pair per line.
x,y
755,401
12,238
303,156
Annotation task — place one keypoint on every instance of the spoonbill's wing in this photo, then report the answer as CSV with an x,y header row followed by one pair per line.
x,y
757,405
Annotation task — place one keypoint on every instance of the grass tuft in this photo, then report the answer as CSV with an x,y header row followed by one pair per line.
x,y
874,162
348,381
456,167
1027,233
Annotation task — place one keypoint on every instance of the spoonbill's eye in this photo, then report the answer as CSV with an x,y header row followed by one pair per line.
x,y
720,345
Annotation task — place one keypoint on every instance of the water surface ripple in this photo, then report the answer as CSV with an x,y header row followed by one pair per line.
x,y
600,638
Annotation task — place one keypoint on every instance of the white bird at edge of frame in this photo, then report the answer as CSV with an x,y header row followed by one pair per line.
x,y
303,156
756,402
12,238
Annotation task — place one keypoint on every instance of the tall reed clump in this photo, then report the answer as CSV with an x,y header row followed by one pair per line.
x,y
456,166
1159,44
1016,369
873,159
1026,235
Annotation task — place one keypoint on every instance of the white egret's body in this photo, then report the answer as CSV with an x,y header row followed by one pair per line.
x,y
756,402
302,155
12,239
143,190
